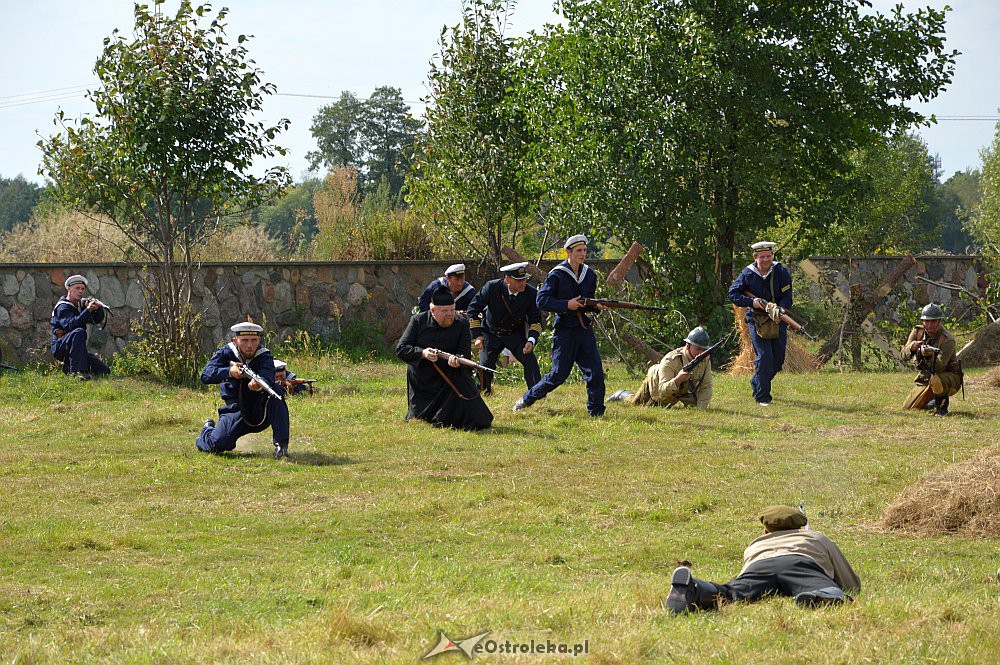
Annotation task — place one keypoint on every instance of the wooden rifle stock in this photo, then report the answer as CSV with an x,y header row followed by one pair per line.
x,y
463,361
796,326
620,304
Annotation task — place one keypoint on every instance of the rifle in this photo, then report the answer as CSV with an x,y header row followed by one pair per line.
x,y
463,361
290,384
694,362
796,326
254,376
620,304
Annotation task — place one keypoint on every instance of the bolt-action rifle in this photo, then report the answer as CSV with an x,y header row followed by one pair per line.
x,y
463,361
620,304
694,362
785,316
290,384
254,376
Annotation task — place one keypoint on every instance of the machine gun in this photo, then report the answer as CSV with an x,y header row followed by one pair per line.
x,y
784,316
619,304
254,376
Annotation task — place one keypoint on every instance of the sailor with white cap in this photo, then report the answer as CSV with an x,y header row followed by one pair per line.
x,y
573,334
248,407
504,315
69,322
766,281
454,281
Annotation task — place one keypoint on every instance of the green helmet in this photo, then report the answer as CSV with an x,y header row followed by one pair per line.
x,y
698,337
931,312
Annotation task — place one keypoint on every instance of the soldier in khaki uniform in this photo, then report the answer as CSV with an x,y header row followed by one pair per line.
x,y
932,349
667,384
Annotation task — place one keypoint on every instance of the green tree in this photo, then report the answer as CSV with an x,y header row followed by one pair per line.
x,y
337,130
985,224
167,154
881,205
467,172
373,136
18,198
292,219
389,133
693,125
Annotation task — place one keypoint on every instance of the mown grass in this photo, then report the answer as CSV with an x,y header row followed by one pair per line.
x,y
120,542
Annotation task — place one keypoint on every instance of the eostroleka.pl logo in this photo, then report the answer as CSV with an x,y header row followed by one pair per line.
x,y
478,644
467,646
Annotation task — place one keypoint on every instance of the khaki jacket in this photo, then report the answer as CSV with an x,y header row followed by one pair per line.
x,y
805,542
945,362
663,390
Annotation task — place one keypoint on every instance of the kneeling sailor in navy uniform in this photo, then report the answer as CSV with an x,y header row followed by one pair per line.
x,y
69,322
249,408
504,315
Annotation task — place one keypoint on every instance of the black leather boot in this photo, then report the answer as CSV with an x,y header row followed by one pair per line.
x,y
688,594
942,407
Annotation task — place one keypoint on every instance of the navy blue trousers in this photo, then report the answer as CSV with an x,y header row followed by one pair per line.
x,y
787,575
573,345
71,351
493,345
233,424
770,357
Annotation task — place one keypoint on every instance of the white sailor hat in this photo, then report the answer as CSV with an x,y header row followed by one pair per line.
x,y
246,328
76,279
279,365
455,269
764,244
516,270
573,241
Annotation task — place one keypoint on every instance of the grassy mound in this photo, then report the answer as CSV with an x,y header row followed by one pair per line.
x,y
984,349
963,499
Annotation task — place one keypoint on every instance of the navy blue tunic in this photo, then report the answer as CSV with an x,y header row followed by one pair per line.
x,y
462,300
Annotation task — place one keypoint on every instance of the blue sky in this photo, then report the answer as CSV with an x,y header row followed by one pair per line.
x,y
322,47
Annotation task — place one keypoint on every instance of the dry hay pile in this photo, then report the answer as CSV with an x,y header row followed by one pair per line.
x,y
984,349
963,499
797,359
992,377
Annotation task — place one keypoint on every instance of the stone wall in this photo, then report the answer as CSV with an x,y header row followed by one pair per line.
x,y
321,298
911,293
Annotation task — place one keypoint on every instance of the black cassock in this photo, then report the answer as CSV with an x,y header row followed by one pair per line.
x,y
429,396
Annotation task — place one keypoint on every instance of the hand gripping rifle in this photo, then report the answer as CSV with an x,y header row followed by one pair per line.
x,y
619,304
254,376
784,316
694,362
463,361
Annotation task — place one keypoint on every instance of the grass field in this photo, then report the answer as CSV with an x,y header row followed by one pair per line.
x,y
120,542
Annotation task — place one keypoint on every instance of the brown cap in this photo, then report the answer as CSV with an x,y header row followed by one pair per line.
x,y
782,518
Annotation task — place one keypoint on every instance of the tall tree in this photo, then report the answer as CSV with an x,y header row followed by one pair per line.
x,y
467,172
18,198
337,130
374,136
694,124
167,155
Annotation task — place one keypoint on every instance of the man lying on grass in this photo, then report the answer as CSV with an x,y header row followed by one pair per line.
x,y
790,559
